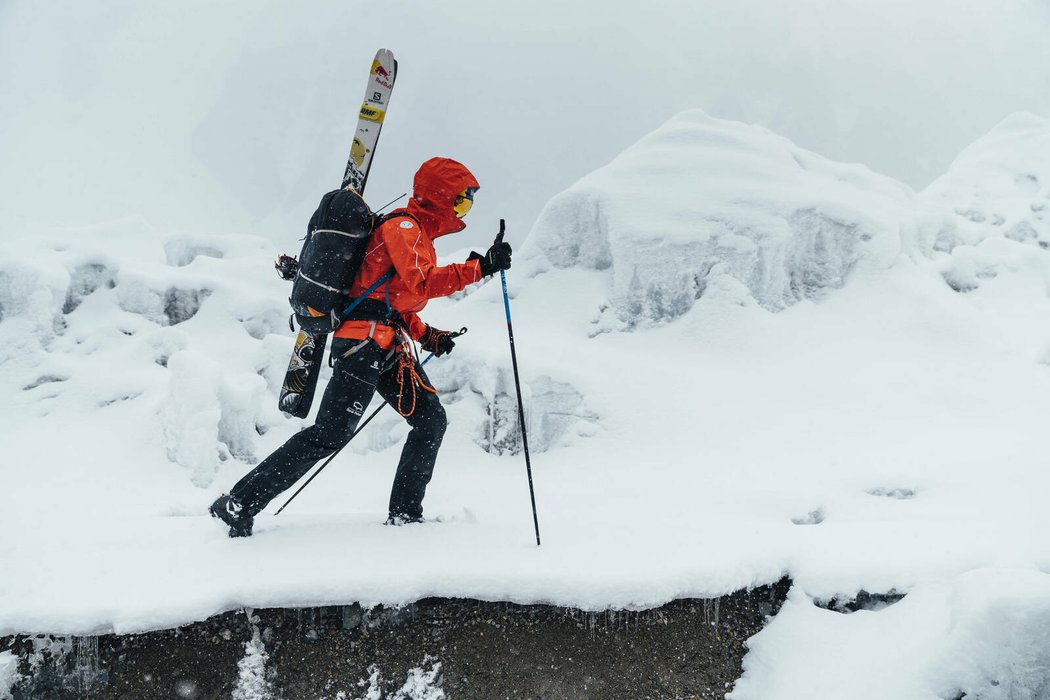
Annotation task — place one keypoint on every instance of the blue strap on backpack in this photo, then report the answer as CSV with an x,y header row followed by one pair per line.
x,y
375,286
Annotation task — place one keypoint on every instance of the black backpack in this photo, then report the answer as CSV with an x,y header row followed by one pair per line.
x,y
336,239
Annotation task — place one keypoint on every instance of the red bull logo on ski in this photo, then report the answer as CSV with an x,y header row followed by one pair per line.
x,y
382,75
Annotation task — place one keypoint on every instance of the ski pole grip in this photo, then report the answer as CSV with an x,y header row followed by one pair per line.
x,y
502,230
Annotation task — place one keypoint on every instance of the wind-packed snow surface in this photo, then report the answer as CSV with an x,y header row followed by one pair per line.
x,y
740,361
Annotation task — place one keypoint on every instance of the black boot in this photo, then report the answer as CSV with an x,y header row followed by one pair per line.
x,y
233,514
398,520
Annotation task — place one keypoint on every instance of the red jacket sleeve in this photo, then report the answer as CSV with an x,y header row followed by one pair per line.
x,y
412,253
416,327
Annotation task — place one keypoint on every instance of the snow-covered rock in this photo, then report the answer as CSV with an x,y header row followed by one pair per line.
x,y
708,206
998,186
990,213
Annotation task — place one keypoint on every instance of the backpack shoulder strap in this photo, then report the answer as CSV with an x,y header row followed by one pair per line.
x,y
385,278
397,214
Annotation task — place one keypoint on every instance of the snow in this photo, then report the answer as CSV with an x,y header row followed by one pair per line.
x,y
983,633
9,675
740,359
419,684
739,204
252,683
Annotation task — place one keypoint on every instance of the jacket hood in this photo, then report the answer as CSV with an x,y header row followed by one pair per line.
x,y
437,183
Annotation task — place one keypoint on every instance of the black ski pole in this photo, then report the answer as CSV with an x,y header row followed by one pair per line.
x,y
334,454
352,436
517,387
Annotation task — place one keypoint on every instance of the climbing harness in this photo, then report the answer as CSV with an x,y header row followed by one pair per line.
x,y
408,373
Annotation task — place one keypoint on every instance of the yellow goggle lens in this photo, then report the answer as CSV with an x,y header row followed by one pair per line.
x,y
464,201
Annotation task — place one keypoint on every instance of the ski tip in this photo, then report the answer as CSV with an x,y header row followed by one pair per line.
x,y
384,68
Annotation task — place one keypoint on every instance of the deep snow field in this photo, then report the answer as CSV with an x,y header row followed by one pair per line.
x,y
741,360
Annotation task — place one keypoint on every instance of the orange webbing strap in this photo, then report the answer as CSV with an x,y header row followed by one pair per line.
x,y
406,369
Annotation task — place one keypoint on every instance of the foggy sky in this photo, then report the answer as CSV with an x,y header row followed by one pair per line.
x,y
235,117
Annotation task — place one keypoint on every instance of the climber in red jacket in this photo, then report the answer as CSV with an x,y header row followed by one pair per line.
x,y
372,350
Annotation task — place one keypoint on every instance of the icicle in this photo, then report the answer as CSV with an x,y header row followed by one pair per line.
x,y
87,671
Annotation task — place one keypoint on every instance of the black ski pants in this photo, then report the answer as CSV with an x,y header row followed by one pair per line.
x,y
355,380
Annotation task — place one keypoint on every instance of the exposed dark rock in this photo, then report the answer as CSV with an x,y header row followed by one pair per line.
x,y
181,305
685,649
85,280
864,600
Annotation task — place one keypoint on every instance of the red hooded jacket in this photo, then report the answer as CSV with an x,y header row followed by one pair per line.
x,y
407,245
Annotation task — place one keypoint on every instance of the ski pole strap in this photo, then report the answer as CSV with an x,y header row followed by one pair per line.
x,y
375,286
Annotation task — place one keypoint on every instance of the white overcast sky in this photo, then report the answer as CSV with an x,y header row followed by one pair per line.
x,y
203,116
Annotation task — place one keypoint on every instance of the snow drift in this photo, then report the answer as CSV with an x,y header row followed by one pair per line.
x,y
711,206
994,196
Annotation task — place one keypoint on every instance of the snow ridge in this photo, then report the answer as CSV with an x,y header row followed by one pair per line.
x,y
704,205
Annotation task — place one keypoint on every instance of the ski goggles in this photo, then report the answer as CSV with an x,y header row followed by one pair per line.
x,y
464,201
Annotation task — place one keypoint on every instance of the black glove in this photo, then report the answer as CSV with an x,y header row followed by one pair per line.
x,y
438,342
497,258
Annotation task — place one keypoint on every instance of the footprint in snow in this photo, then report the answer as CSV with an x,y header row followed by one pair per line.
x,y
899,494
813,517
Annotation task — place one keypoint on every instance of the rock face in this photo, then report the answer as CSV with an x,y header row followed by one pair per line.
x,y
430,650
706,206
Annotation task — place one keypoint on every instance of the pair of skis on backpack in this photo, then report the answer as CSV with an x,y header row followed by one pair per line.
x,y
334,248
